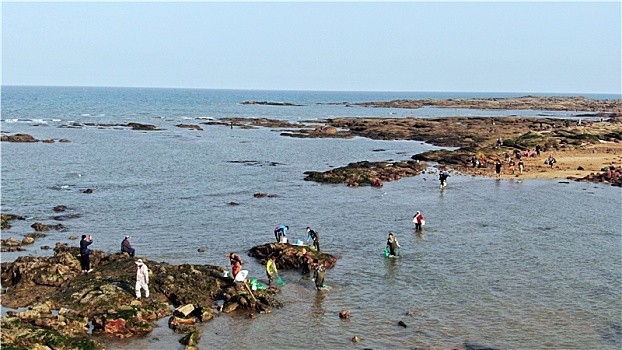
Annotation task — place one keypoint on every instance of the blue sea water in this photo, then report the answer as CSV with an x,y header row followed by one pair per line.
x,y
506,264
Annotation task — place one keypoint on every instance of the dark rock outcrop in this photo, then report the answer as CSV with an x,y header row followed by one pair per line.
x,y
289,256
368,173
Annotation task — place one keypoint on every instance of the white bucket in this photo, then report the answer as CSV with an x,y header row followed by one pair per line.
x,y
225,274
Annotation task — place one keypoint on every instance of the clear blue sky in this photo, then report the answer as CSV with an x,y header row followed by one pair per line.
x,y
565,47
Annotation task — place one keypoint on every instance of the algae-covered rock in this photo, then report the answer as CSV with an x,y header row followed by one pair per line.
x,y
289,256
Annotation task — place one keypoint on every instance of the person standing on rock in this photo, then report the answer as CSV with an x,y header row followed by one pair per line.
x,y
318,274
126,247
315,237
142,279
236,264
271,270
85,252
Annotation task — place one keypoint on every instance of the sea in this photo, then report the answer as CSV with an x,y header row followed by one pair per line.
x,y
509,264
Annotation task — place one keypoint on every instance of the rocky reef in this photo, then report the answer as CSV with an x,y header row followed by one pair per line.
x,y
289,256
63,304
552,103
368,173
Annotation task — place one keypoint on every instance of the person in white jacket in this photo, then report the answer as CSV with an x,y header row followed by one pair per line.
x,y
142,278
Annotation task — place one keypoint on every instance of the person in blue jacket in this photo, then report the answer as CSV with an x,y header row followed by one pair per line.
x,y
279,232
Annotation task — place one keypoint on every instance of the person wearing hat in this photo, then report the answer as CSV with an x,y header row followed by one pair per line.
x,y
418,220
142,279
126,247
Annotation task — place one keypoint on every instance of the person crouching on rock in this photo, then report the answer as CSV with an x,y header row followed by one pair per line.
x,y
271,270
279,232
126,247
142,278
318,274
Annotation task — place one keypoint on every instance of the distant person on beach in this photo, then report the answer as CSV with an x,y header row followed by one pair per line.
x,y
419,221
318,274
142,279
126,247
393,245
521,166
305,260
271,270
280,232
85,252
538,149
442,177
551,161
498,168
315,237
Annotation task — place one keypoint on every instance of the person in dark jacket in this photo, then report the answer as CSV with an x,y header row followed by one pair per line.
x,y
318,274
126,247
305,260
315,237
392,245
85,260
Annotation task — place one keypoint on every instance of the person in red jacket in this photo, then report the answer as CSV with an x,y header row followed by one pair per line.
x,y
419,221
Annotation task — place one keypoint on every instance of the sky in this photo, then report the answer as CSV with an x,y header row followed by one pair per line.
x,y
459,46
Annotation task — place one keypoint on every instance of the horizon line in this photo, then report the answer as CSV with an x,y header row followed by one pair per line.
x,y
313,90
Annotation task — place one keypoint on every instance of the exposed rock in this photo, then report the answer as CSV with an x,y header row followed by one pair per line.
x,y
142,127
106,296
552,103
191,339
28,240
19,138
88,191
184,310
39,227
5,218
289,256
190,126
356,339
368,173
267,103
11,242
60,208
344,314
